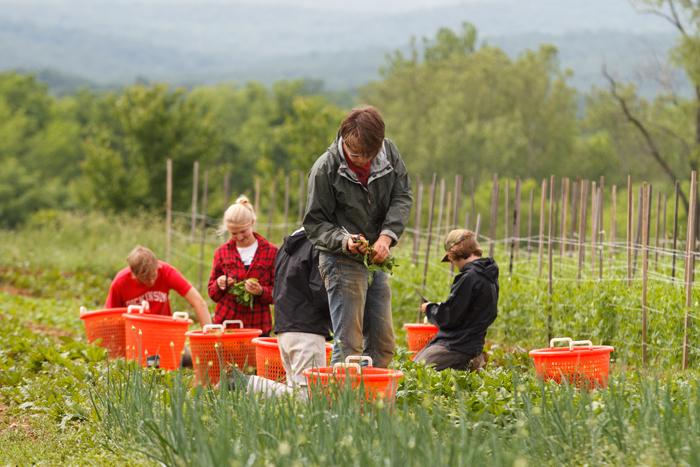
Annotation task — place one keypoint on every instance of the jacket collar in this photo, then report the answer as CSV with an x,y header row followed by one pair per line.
x,y
380,165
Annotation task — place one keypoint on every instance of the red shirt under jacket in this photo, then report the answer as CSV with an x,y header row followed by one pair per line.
x,y
228,261
126,290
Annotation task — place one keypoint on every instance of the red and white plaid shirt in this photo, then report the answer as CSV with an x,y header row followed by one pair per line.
x,y
227,261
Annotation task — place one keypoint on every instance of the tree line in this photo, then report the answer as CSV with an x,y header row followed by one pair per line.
x,y
453,105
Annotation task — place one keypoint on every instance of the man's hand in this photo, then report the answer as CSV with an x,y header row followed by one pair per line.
x,y
381,249
355,246
253,287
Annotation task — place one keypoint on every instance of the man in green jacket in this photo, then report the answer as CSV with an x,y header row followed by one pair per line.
x,y
358,190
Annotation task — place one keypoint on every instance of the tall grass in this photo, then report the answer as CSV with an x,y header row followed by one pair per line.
x,y
637,421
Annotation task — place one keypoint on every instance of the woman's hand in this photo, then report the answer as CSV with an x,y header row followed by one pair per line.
x,y
253,287
221,282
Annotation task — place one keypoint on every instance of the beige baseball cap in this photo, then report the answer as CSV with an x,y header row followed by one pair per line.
x,y
464,240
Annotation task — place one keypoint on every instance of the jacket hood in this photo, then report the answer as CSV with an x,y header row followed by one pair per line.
x,y
295,241
486,267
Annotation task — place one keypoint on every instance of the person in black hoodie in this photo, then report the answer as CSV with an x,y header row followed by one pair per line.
x,y
469,310
302,316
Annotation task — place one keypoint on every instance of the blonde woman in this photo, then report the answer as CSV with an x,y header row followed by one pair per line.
x,y
246,255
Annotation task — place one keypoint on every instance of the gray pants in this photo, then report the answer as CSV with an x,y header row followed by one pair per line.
x,y
299,351
442,358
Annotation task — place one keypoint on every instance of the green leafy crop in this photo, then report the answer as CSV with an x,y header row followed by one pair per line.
x,y
242,295
387,266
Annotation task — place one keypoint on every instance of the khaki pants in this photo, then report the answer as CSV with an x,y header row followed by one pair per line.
x,y
299,351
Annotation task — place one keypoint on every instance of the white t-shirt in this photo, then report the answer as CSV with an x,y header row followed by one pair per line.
x,y
247,253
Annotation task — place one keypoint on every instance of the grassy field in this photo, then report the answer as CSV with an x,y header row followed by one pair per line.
x,y
61,402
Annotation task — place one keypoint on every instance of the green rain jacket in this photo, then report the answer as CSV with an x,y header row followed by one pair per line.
x,y
338,205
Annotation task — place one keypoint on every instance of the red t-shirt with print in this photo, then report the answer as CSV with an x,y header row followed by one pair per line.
x,y
126,290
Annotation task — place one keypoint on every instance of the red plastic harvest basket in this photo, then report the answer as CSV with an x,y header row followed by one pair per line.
x,y
418,335
582,363
215,347
156,335
378,383
269,360
106,328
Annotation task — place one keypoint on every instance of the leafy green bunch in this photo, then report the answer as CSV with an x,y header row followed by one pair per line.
x,y
387,266
242,295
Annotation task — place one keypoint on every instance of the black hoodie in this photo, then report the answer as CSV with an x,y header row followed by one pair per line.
x,y
469,310
301,301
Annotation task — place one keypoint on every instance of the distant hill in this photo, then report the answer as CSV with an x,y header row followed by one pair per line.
x,y
203,41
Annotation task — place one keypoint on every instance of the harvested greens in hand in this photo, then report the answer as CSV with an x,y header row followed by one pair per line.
x,y
387,266
242,295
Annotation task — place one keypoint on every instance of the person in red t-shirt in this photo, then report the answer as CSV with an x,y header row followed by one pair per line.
x,y
148,279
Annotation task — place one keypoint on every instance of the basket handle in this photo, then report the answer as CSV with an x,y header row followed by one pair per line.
x,y
133,308
210,327
587,343
181,315
358,358
340,367
145,305
559,339
232,321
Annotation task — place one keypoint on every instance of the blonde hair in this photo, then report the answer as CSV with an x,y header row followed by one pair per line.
x,y
241,213
143,263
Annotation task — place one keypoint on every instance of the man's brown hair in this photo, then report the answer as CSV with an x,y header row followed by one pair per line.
x,y
143,264
363,130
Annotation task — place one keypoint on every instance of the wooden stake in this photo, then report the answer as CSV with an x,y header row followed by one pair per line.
x,y
664,237
550,247
601,232
203,236
564,212
417,221
301,198
638,233
195,192
594,225
227,188
582,226
516,217
430,234
690,263
529,224
630,210
168,208
657,231
575,213
543,200
272,207
494,215
457,202
257,194
506,214
675,229
645,267
613,222
285,220
441,208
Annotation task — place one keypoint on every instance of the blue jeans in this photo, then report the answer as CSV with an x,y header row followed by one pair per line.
x,y
360,313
